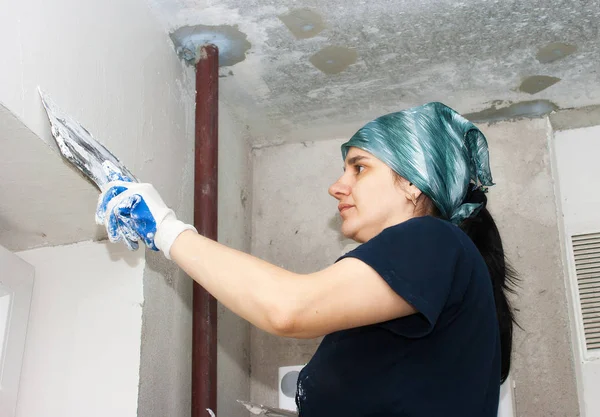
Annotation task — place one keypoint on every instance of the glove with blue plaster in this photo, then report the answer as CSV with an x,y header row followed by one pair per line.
x,y
133,211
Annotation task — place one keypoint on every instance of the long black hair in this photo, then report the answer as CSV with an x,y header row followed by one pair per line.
x,y
484,233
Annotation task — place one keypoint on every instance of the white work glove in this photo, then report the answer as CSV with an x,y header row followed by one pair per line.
x,y
133,211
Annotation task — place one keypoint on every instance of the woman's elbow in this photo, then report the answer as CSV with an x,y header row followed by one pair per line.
x,y
281,322
290,324
286,316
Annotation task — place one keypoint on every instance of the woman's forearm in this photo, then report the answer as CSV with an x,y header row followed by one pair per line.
x,y
251,288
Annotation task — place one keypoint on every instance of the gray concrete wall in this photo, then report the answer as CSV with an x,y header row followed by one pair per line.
x,y
165,374
524,206
295,225
233,365
165,378
166,345
165,368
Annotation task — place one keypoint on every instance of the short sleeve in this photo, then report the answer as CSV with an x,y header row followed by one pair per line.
x,y
418,259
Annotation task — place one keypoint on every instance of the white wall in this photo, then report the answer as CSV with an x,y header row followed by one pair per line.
x,y
577,152
112,66
578,171
82,354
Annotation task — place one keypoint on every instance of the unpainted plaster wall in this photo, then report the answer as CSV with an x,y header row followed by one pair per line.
x,y
235,181
167,336
112,66
82,354
295,225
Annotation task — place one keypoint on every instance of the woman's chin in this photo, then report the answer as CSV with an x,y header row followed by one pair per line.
x,y
347,233
350,232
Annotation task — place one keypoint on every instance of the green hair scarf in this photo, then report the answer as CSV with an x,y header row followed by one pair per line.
x,y
436,149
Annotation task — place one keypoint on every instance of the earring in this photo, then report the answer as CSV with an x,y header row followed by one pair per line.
x,y
413,199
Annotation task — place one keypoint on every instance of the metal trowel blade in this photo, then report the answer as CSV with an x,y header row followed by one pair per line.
x,y
80,148
262,410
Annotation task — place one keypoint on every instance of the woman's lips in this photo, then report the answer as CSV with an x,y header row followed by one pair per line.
x,y
344,207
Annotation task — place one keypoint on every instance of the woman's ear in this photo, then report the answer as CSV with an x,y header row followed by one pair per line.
x,y
412,193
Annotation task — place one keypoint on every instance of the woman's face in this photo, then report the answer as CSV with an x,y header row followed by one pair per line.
x,y
370,198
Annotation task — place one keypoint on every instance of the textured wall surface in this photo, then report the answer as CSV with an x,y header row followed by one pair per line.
x,y
295,226
166,345
233,366
524,206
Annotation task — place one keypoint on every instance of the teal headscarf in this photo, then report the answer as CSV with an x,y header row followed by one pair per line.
x,y
436,149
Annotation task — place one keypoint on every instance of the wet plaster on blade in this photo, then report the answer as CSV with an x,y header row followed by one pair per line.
x,y
537,83
524,109
303,23
334,59
232,43
555,51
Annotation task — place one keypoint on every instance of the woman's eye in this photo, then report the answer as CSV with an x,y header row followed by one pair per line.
x,y
359,168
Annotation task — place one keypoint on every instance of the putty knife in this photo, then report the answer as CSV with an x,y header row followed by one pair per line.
x,y
80,148
262,410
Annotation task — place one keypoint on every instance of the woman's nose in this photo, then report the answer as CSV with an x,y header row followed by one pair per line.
x,y
339,189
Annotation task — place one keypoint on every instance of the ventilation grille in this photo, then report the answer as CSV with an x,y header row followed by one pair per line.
x,y
586,250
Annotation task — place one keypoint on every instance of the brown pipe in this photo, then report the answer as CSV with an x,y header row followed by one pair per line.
x,y
204,325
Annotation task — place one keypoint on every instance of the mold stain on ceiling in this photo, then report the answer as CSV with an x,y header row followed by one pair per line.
x,y
303,23
537,83
331,62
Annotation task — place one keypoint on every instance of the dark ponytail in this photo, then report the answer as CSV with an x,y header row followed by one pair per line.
x,y
484,233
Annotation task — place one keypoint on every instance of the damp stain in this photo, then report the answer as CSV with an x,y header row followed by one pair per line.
x,y
555,51
537,83
334,59
303,23
232,43
523,109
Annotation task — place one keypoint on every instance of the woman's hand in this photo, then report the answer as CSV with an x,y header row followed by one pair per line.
x,y
135,211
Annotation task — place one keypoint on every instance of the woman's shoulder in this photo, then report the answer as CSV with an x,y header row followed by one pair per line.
x,y
427,232
425,224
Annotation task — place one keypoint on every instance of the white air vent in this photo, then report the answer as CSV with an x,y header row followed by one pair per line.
x,y
586,252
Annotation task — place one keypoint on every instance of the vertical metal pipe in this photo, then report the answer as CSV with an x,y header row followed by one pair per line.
x,y
204,340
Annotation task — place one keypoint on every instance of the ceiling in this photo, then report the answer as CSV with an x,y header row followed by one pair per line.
x,y
320,62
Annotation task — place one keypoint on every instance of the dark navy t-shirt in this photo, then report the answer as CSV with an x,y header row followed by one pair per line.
x,y
442,361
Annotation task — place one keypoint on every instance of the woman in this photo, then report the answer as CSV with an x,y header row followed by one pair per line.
x,y
416,319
